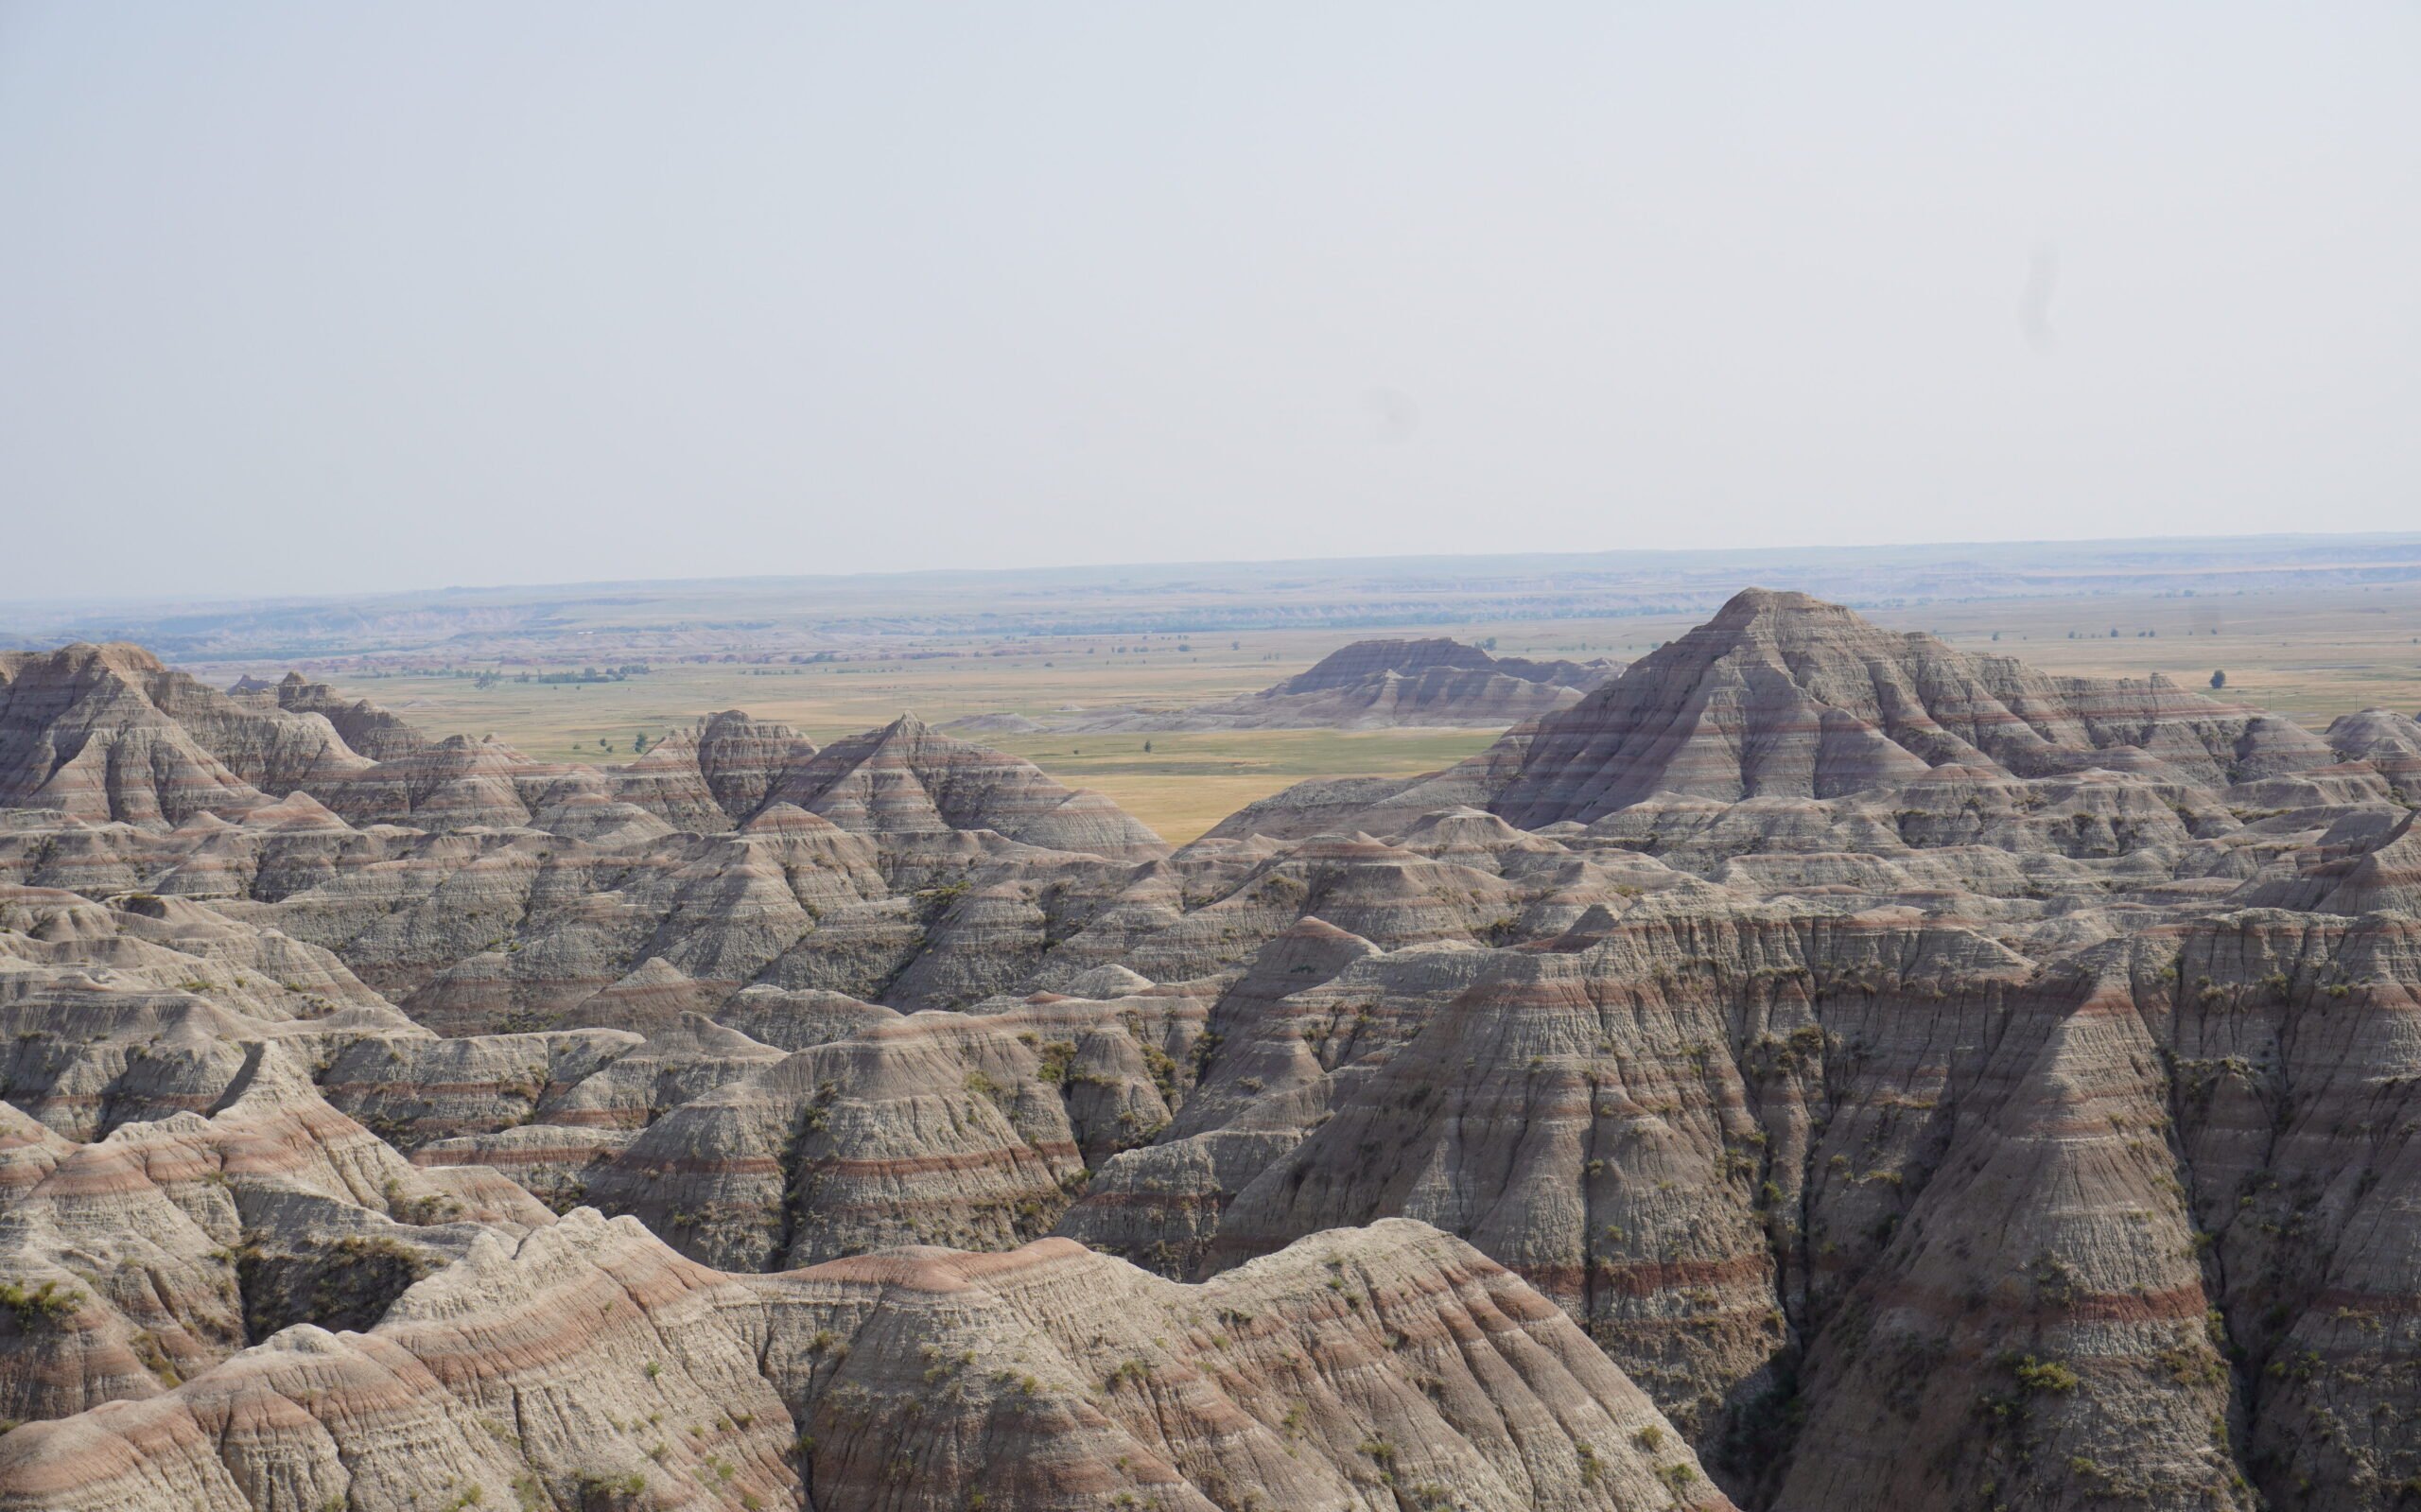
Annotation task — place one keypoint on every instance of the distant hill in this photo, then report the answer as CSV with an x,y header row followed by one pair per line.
x,y
1375,684
804,614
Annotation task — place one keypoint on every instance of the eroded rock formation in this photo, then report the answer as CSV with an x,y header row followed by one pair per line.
x,y
1931,1083
586,1364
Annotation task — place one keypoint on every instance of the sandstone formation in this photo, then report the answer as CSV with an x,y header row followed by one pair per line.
x,y
1929,1082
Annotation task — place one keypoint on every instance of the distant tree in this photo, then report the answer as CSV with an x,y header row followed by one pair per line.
x,y
604,744
639,743
1996,634
2218,679
2113,633
1147,748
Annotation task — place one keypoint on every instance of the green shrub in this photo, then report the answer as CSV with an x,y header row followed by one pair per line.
x,y
44,1306
2043,1375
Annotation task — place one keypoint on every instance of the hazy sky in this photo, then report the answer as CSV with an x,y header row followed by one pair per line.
x,y
323,298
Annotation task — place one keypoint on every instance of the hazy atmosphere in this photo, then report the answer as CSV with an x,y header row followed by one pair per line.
x,y
356,298
1362,758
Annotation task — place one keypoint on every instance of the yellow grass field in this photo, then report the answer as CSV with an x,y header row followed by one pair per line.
x,y
1188,782
1185,784
2309,654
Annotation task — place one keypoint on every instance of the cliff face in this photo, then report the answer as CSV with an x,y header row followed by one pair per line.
x,y
1924,1081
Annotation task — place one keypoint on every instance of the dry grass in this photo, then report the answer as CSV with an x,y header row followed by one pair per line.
x,y
1188,782
2310,654
1184,785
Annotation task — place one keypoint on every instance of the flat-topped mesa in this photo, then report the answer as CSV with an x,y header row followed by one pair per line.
x,y
1781,694
1363,659
1375,684
83,661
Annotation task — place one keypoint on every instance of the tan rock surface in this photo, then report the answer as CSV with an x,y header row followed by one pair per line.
x,y
585,1364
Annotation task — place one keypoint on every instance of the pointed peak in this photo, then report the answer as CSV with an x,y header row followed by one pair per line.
x,y
655,971
779,818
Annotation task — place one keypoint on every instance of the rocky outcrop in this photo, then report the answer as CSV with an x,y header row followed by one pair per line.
x,y
586,1364
669,783
162,1248
379,734
970,1130
457,783
907,783
2388,740
742,760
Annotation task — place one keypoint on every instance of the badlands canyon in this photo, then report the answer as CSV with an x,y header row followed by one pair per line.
x,y
1812,1068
